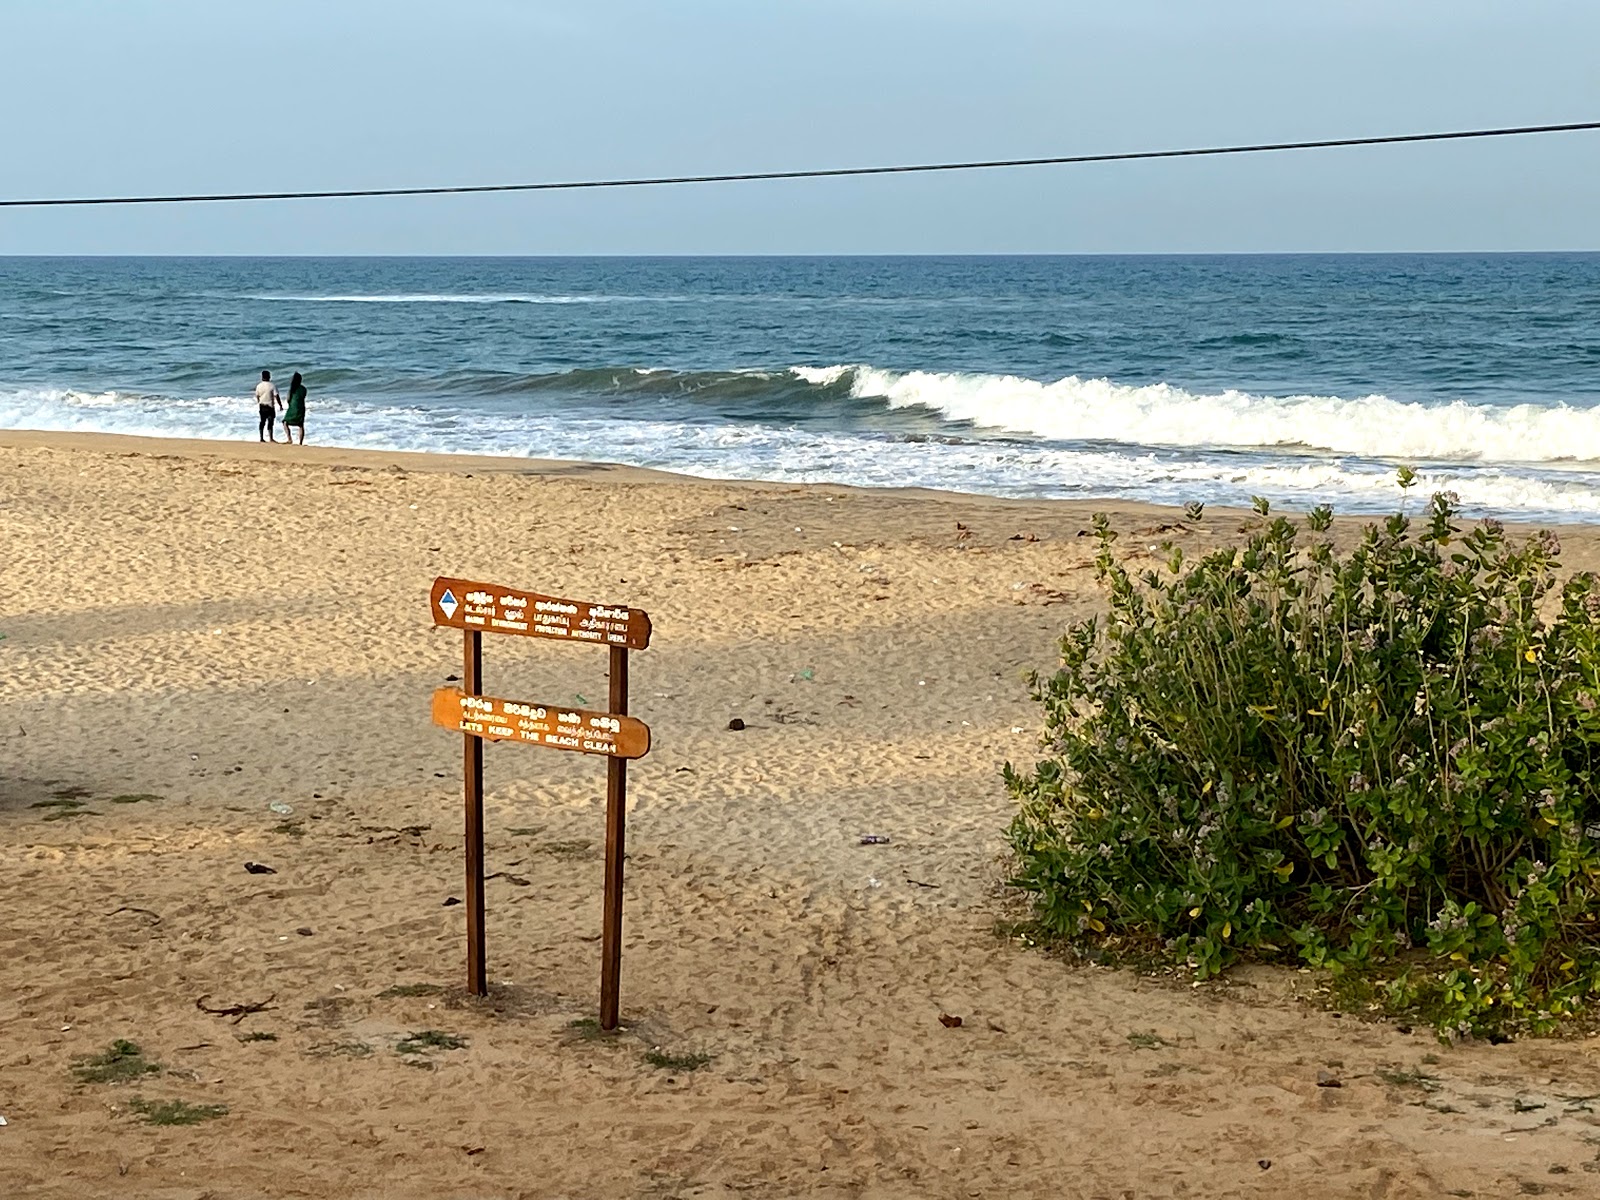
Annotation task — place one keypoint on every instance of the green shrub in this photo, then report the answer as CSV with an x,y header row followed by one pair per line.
x,y
1382,763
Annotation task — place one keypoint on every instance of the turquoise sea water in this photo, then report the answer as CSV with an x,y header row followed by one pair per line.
x,y
1302,378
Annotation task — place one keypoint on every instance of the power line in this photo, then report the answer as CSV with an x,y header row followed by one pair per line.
x,y
826,173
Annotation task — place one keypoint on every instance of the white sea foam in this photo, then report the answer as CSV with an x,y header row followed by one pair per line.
x,y
442,298
766,451
1098,410
825,376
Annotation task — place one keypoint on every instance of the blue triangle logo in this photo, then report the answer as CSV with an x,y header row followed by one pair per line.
x,y
447,604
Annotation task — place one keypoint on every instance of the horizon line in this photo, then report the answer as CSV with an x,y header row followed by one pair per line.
x,y
936,254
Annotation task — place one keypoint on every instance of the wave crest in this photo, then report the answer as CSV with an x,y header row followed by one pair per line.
x,y
1098,410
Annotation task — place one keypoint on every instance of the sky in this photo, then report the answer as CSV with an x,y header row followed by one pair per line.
x,y
108,97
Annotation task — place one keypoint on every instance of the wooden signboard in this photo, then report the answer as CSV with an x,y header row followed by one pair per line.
x,y
559,728
479,608
493,608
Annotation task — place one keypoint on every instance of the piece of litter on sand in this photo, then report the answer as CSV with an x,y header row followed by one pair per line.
x,y
2,1122
282,809
256,868
874,883
949,1022
874,839
806,673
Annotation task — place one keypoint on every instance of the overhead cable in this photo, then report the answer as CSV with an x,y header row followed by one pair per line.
x,y
824,173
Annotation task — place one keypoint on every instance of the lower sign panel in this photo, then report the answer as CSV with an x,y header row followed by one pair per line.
x,y
549,725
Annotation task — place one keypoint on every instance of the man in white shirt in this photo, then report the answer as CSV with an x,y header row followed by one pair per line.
x,y
268,402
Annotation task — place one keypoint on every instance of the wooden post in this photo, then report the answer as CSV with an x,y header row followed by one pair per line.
x,y
616,829
472,774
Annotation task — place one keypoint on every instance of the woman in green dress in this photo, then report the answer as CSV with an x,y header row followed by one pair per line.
x,y
294,416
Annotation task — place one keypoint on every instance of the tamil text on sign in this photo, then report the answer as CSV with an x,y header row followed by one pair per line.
x,y
491,608
558,727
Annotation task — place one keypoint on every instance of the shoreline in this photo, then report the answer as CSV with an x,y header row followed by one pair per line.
x,y
445,463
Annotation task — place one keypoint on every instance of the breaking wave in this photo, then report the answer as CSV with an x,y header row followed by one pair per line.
x,y
1099,410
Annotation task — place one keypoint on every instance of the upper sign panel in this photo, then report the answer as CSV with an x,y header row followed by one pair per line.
x,y
493,608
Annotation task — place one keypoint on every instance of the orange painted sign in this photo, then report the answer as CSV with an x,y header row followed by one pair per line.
x,y
556,726
492,608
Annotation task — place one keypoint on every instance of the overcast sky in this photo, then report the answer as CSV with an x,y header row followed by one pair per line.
x,y
138,96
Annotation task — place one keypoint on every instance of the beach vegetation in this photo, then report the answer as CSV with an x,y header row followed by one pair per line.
x,y
429,1039
176,1112
1381,762
118,1063
587,1029
666,1061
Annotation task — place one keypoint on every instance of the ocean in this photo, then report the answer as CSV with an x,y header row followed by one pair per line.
x,y
1303,378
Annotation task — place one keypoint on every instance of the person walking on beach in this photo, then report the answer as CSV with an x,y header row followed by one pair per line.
x,y
294,413
268,402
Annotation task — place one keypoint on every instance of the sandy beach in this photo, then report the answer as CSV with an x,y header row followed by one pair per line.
x,y
223,653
